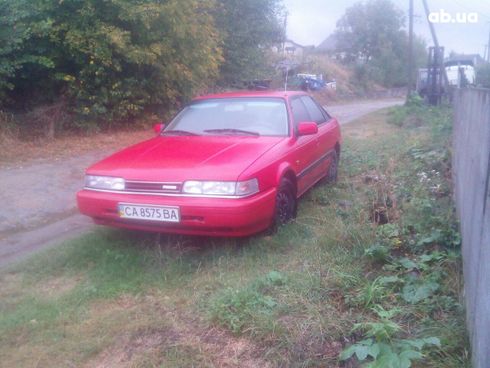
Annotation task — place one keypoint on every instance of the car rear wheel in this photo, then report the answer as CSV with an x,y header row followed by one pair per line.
x,y
286,204
333,169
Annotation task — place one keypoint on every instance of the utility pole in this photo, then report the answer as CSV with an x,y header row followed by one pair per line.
x,y
488,48
431,26
434,38
285,37
410,49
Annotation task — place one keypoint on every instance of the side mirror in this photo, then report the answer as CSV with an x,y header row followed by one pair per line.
x,y
157,128
307,128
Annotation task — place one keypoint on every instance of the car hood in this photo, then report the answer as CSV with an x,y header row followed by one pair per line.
x,y
180,158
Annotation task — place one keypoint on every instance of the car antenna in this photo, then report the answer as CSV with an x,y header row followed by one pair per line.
x,y
286,79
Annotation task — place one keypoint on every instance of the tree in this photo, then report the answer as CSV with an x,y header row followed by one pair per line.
x,y
249,29
367,28
483,75
372,35
110,61
21,27
113,60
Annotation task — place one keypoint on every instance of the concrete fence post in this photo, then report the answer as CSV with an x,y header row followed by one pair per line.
x,y
471,176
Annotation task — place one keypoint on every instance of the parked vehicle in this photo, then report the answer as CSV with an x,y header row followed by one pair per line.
x,y
460,73
230,164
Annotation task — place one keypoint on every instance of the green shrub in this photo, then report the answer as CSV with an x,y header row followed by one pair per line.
x,y
241,309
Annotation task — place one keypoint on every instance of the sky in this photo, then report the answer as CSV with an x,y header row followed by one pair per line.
x,y
311,21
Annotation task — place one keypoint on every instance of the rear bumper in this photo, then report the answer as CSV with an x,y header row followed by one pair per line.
x,y
199,216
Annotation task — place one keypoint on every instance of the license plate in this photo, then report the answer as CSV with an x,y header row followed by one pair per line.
x,y
150,213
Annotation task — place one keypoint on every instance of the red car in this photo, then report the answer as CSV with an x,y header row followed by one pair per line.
x,y
229,164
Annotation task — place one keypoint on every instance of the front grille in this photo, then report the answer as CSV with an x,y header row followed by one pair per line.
x,y
153,187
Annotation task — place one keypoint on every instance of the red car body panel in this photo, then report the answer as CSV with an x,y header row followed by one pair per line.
x,y
175,159
186,158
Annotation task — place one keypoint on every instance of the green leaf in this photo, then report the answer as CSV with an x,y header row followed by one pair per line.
x,y
361,349
275,278
416,343
407,263
374,350
407,356
347,353
362,352
387,359
414,293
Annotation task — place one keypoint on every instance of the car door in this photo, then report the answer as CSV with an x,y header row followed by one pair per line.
x,y
305,151
325,138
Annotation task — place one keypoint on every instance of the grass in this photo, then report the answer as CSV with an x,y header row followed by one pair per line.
x,y
326,283
19,152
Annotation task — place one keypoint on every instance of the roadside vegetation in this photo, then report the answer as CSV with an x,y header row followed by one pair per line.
x,y
374,43
483,75
71,66
369,274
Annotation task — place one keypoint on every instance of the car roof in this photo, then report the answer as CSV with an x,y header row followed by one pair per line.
x,y
235,94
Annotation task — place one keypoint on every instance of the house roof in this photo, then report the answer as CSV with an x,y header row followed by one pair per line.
x,y
301,46
474,58
295,43
329,44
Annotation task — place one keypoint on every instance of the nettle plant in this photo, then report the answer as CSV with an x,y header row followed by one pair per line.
x,y
381,348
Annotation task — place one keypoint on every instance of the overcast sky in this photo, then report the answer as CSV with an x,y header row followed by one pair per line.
x,y
311,21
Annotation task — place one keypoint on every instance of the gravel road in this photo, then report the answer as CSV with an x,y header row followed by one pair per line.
x,y
38,198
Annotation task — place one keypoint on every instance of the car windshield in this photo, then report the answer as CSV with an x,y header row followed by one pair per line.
x,y
232,116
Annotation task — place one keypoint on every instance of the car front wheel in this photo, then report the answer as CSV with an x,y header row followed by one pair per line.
x,y
286,203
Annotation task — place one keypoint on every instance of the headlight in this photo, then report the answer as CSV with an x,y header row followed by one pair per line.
x,y
221,188
104,182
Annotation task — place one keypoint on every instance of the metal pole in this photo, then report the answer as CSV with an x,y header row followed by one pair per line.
x,y
410,49
434,38
488,48
431,26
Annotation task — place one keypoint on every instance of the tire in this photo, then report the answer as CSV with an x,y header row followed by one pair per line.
x,y
333,169
286,204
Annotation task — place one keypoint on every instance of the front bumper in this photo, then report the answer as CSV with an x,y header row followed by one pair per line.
x,y
198,215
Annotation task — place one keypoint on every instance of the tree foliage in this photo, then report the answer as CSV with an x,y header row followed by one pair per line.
x,y
249,29
372,35
483,75
368,28
20,24
114,60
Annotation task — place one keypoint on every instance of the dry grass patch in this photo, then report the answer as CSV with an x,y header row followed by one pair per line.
x,y
11,291
369,127
16,151
55,287
153,331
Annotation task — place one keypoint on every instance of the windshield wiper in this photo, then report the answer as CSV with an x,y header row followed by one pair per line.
x,y
232,131
178,132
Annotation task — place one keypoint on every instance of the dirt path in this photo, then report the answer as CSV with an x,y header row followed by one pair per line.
x,y
349,112
38,197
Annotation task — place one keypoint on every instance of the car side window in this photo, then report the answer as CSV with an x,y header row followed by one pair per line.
x,y
314,111
300,113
